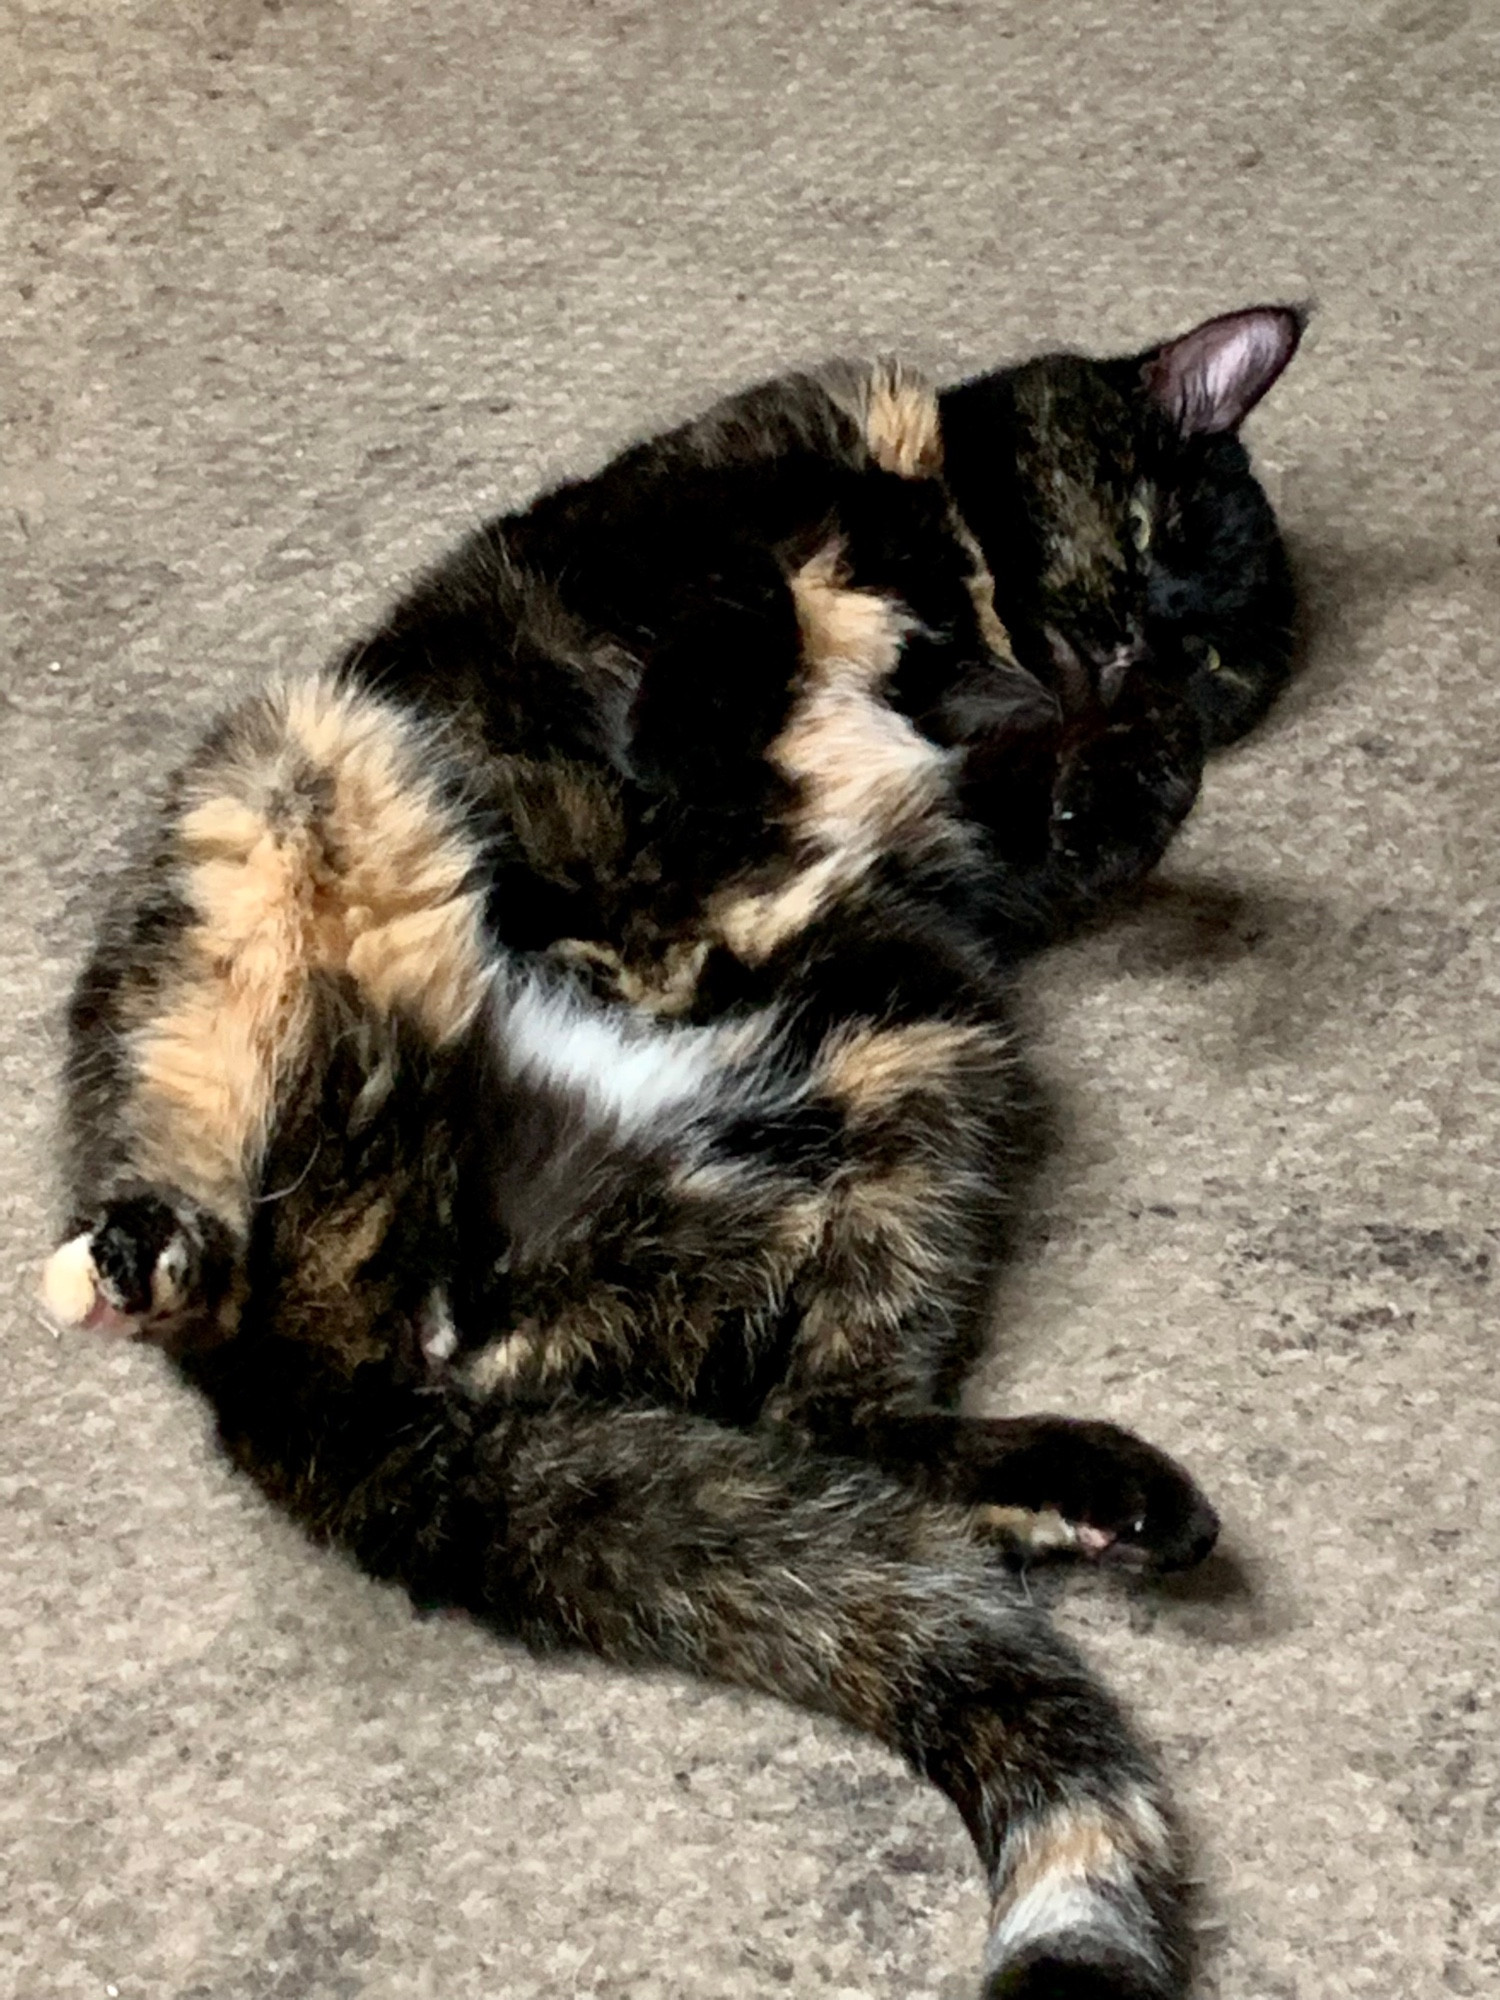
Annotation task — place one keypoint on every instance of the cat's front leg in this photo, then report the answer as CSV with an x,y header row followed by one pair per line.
x,y
147,1261
1126,778
1082,802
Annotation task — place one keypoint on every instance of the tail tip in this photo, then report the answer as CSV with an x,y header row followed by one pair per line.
x,y
1045,1975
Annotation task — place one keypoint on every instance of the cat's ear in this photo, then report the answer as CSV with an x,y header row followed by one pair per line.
x,y
1212,378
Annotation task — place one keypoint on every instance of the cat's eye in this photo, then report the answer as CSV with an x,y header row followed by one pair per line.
x,y
1141,522
1211,661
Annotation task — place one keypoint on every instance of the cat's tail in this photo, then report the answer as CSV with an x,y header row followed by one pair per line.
x,y
655,1538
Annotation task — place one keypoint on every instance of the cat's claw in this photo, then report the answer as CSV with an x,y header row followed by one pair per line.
x,y
1092,1541
1047,1531
1174,1536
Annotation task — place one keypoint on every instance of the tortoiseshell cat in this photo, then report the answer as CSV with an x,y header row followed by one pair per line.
x,y
548,1084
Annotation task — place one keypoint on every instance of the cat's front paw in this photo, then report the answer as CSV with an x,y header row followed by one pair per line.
x,y
1102,1492
1121,793
145,1262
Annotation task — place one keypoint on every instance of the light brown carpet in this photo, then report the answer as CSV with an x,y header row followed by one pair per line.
x,y
293,291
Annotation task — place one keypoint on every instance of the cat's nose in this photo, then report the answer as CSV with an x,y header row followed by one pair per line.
x,y
1115,667
1086,671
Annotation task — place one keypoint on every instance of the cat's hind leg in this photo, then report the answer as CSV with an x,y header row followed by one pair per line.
x,y
897,1282
1041,1484
318,835
660,1539
828,1585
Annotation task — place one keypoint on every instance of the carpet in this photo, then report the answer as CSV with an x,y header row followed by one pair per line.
x,y
297,290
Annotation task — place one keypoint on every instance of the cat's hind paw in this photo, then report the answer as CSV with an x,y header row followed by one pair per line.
x,y
144,1263
1068,1483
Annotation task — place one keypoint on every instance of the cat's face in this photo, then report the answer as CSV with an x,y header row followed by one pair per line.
x,y
1122,521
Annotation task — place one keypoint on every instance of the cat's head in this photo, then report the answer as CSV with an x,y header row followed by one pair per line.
x,y
1117,509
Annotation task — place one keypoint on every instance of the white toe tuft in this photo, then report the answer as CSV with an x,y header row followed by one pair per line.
x,y
70,1282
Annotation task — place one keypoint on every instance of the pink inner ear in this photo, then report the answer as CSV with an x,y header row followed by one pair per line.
x,y
1212,378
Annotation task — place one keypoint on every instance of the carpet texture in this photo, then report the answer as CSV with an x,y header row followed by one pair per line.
x,y
295,290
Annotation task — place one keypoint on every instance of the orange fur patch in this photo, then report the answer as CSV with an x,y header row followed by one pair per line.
x,y
312,840
865,778
1080,1842
902,426
344,1241
545,1356
406,916
878,1224
981,586
1026,1527
870,1069
666,985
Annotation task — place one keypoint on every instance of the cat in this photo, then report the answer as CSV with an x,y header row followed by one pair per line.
x,y
548,1079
